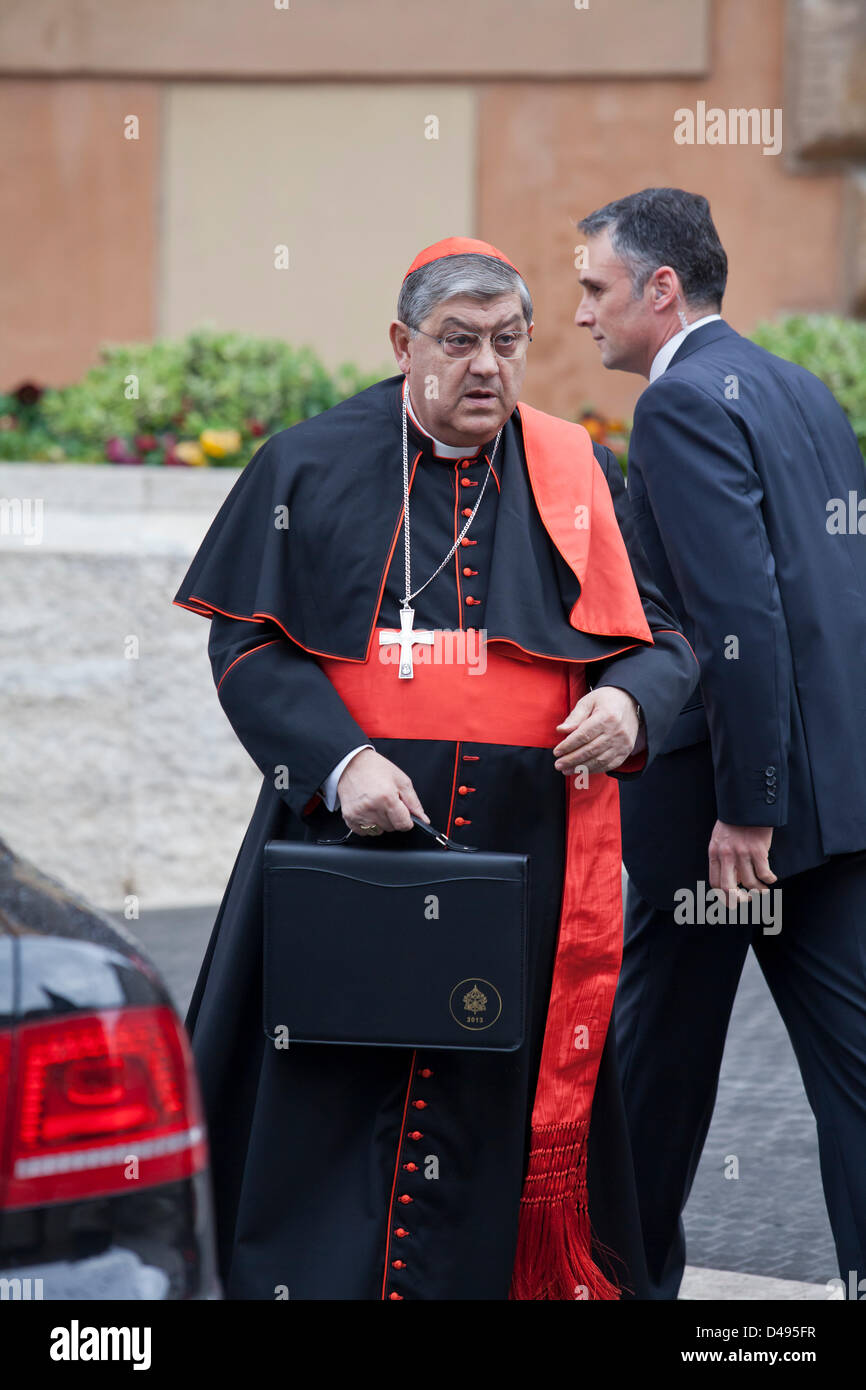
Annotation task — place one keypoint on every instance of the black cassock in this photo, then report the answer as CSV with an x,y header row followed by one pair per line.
x,y
366,1173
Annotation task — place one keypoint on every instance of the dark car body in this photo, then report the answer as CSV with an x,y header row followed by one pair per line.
x,y
104,1185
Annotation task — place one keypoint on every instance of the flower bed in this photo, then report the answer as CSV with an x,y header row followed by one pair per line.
x,y
210,398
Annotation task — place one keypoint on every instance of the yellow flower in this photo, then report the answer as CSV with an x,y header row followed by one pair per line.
x,y
220,443
188,451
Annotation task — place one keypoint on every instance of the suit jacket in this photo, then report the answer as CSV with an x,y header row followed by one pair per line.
x,y
735,461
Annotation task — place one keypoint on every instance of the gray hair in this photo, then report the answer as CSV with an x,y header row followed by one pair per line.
x,y
665,226
480,277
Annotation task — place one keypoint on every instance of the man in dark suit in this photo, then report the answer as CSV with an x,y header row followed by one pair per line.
x,y
745,479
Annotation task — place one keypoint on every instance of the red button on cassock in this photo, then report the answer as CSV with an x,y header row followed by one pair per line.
x,y
425,1072
460,820
419,1104
396,1295
401,1232
415,1134
398,1264
470,599
467,511
404,1198
468,572
467,541
411,1167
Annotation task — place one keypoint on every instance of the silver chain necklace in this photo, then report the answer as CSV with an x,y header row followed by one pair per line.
x,y
407,637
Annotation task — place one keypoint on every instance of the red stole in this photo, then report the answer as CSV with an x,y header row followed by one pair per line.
x,y
554,1248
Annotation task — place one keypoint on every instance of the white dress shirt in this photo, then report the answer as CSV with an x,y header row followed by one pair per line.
x,y
448,451
667,351
329,786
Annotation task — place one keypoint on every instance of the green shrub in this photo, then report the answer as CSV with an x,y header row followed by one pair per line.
x,y
144,397
833,348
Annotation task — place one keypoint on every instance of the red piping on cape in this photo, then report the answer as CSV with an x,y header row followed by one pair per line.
x,y
360,660
397,1171
207,609
260,648
457,551
448,826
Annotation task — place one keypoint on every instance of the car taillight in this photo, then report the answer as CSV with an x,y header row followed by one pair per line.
x,y
5,1071
99,1104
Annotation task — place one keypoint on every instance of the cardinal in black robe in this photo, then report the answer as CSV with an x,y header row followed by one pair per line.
x,y
358,1172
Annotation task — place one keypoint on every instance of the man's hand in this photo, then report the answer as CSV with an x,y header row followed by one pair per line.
x,y
375,795
739,854
603,730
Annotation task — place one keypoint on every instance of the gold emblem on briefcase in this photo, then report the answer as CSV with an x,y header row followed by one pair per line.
x,y
472,1007
474,1002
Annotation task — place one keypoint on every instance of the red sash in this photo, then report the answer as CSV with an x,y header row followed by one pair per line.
x,y
461,690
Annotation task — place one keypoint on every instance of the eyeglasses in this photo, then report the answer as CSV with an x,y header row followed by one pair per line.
x,y
507,344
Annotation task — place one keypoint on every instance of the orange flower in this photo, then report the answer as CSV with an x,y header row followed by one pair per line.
x,y
593,426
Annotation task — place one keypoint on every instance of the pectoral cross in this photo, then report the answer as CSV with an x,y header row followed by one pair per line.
x,y
407,639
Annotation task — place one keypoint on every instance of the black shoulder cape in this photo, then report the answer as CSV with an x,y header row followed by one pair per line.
x,y
306,534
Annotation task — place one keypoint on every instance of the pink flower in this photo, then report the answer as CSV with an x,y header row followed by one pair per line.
x,y
118,451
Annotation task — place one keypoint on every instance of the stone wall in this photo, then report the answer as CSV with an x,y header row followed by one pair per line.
x,y
121,774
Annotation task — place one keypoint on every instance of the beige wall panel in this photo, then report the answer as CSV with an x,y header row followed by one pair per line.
x,y
77,223
342,175
549,155
353,38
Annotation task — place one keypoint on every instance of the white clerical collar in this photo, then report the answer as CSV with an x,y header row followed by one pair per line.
x,y
443,451
667,351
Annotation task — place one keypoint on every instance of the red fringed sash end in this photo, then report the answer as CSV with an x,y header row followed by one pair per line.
x,y
554,1238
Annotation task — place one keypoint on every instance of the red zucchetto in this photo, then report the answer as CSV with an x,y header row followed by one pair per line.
x,y
456,246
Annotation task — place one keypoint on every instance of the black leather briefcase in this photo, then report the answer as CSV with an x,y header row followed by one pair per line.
x,y
398,947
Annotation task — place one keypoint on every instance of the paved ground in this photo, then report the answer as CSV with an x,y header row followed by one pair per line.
x,y
713,1285
769,1221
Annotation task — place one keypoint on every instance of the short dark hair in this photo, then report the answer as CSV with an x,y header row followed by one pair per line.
x,y
666,226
